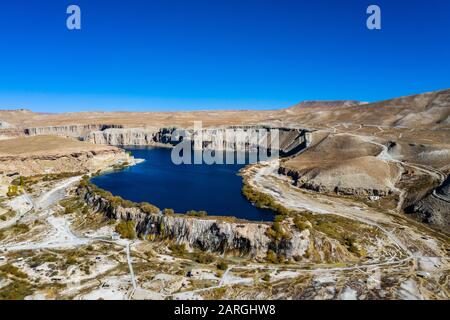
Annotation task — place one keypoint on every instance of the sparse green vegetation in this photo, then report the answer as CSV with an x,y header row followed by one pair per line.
x,y
148,208
271,256
12,270
262,200
352,246
16,229
178,249
71,260
8,215
194,213
342,229
126,229
84,182
222,265
116,201
301,223
276,232
204,257
168,212
16,290
121,166
40,259
13,191
218,293
278,218
26,182
72,205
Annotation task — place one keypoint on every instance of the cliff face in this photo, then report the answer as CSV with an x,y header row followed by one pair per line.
x,y
131,136
435,207
346,179
55,154
230,138
241,238
75,131
10,133
291,140
344,163
82,161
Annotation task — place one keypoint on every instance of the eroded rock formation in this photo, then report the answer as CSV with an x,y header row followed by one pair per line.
x,y
50,154
435,207
75,131
131,136
209,234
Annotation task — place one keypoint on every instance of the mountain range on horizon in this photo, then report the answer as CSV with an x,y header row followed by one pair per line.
x,y
429,109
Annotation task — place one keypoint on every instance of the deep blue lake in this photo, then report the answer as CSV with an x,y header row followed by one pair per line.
x,y
215,188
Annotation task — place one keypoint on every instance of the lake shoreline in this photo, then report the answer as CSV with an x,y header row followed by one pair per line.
x,y
215,189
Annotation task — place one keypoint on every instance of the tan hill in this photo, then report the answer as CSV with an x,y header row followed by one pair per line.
x,y
52,154
324,104
346,164
429,109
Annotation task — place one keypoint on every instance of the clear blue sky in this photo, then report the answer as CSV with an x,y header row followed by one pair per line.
x,y
195,54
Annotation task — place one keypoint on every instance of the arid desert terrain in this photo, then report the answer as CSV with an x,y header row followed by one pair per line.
x,y
360,195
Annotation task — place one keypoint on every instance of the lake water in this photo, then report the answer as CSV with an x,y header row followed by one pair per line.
x,y
215,189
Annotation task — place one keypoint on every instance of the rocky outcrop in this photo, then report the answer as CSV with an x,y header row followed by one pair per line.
x,y
131,136
434,209
290,140
6,125
11,133
82,162
75,131
344,164
208,234
54,154
326,103
348,177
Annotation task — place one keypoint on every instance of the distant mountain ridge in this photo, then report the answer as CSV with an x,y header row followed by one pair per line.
x,y
430,110
326,103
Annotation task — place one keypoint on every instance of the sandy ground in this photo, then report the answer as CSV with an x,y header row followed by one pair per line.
x,y
46,145
413,243
416,248
430,109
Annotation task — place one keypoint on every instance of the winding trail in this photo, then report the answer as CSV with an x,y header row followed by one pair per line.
x,y
265,178
130,266
441,197
61,236
56,194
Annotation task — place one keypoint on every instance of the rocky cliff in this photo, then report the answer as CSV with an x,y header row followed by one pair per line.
x,y
290,140
75,131
209,234
131,136
350,177
52,154
434,208
83,162
11,133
